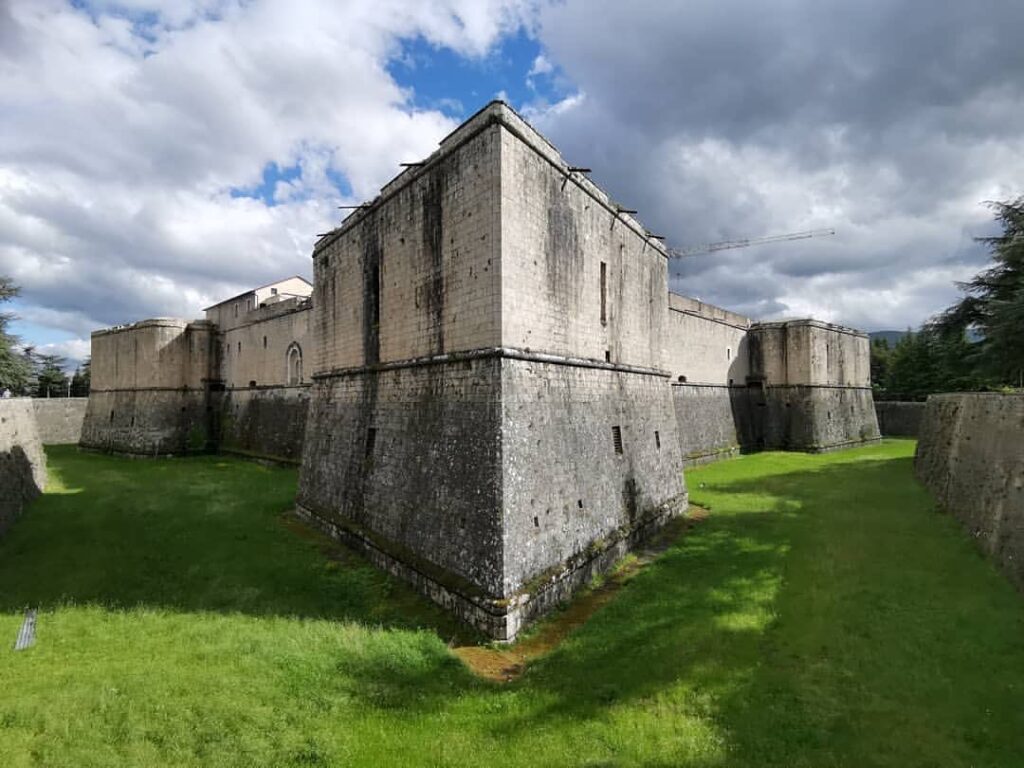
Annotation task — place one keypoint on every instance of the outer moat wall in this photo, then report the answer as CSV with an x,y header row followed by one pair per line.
x,y
22,461
970,455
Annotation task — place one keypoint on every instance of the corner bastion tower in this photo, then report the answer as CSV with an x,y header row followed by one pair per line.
x,y
490,417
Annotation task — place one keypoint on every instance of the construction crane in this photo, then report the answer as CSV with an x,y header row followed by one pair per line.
x,y
725,245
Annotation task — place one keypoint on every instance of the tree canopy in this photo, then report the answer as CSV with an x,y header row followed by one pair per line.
x,y
978,343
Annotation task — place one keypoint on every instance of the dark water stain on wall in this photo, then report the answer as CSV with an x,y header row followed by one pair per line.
x,y
563,254
433,244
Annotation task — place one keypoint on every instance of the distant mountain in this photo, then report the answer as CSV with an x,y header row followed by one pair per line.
x,y
890,336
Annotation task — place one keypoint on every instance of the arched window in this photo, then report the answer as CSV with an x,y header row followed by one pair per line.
x,y
294,360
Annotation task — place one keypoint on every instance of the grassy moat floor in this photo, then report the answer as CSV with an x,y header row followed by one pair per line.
x,y
823,614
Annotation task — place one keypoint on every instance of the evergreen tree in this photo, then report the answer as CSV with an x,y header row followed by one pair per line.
x,y
81,379
15,364
51,381
994,303
881,354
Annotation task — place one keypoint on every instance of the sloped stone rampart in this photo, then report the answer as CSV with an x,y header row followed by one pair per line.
x,y
22,461
970,455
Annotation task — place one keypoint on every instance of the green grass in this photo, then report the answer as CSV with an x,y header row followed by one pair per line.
x,y
823,615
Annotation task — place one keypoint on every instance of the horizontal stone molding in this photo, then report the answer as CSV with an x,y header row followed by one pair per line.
x,y
504,353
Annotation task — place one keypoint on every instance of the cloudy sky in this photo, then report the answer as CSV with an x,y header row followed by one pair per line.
x,y
158,155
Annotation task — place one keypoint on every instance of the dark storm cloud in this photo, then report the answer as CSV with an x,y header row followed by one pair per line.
x,y
891,121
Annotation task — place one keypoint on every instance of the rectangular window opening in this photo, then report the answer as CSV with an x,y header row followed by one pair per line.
x,y
264,342
604,293
617,438
371,439
607,355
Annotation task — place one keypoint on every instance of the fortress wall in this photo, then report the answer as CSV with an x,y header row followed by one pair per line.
x,y
255,353
557,237
409,462
970,455
569,487
263,422
474,277
709,348
418,274
816,388
148,390
402,446
59,419
706,344
899,419
714,421
22,461
147,422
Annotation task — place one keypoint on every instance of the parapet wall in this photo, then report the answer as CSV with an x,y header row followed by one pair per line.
x,y
970,455
59,419
22,461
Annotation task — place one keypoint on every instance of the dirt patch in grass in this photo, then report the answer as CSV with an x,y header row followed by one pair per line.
x,y
504,663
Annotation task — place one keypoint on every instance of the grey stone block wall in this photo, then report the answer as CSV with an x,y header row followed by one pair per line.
x,y
492,483
809,418
571,482
899,419
970,455
148,422
59,419
424,485
262,422
22,461
714,422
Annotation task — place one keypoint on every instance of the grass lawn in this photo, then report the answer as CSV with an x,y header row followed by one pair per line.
x,y
824,614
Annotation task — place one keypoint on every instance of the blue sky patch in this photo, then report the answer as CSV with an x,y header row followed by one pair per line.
x,y
273,173
444,80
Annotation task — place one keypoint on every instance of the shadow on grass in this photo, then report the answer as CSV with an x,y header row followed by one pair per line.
x,y
203,533
824,616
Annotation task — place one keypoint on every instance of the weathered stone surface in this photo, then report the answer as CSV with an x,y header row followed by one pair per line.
x,y
147,422
22,461
59,419
490,419
714,422
262,422
970,455
899,419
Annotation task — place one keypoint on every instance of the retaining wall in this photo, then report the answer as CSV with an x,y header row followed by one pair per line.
x,y
970,455
59,420
22,461
899,419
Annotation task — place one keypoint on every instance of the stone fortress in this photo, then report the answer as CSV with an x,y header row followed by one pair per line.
x,y
489,386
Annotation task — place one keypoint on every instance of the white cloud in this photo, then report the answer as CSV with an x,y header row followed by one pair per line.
x,y
127,125
720,121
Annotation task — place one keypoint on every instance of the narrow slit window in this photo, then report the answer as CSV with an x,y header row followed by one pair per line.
x,y
604,293
728,353
657,440
264,342
371,441
617,438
